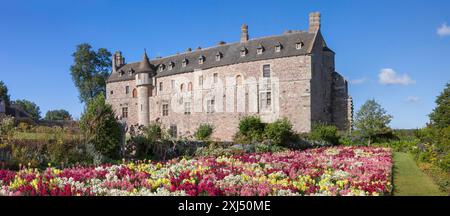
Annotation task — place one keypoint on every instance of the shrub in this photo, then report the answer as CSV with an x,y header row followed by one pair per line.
x,y
324,132
6,128
203,132
23,126
251,129
100,127
153,132
279,131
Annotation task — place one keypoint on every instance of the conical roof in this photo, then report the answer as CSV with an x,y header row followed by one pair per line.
x,y
144,65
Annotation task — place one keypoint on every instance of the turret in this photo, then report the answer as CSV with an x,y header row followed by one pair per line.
x,y
144,75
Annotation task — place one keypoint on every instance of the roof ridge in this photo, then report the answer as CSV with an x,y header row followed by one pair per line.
x,y
229,44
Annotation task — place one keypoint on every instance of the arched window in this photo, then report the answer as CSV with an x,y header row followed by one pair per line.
x,y
238,80
134,93
182,87
190,86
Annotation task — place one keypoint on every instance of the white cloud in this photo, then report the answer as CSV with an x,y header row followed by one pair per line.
x,y
358,81
444,30
412,99
388,76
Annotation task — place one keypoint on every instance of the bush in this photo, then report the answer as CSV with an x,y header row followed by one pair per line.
x,y
204,132
279,131
6,128
251,129
324,132
251,126
100,127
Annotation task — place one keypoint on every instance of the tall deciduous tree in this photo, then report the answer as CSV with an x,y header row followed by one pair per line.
x,y
30,107
4,96
440,117
90,71
372,119
57,115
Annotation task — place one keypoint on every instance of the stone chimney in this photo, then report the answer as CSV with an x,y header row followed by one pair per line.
x,y
244,33
117,61
314,22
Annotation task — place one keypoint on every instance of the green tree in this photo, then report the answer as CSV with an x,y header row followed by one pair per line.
x,y
90,71
440,117
100,127
372,119
57,115
30,107
4,96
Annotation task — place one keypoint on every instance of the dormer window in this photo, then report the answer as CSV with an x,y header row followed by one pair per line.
x,y
260,49
121,73
243,51
171,65
184,63
161,67
299,45
201,59
218,56
278,47
130,72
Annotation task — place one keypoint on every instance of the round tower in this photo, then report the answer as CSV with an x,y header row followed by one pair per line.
x,y
144,75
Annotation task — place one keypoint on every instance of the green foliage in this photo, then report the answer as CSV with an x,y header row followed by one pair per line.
x,y
153,132
57,115
90,71
215,149
324,132
6,126
29,107
100,127
440,117
203,132
250,129
279,132
372,120
4,96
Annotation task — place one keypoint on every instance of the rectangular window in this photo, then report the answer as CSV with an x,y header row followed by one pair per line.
x,y
265,100
161,86
124,112
200,80
215,77
173,84
173,130
127,89
165,109
210,106
266,70
187,108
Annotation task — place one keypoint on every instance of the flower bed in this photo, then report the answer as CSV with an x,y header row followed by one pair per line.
x,y
323,171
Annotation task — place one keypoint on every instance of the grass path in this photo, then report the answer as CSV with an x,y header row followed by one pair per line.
x,y
409,180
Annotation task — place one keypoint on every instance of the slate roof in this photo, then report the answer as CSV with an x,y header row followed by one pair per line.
x,y
230,55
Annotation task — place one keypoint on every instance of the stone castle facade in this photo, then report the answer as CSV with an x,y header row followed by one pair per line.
x,y
290,75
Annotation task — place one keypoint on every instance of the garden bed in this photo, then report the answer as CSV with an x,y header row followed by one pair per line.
x,y
322,171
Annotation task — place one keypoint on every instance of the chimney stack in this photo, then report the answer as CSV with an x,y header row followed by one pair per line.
x,y
314,22
117,61
244,33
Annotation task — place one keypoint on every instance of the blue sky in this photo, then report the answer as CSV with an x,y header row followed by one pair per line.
x,y
397,52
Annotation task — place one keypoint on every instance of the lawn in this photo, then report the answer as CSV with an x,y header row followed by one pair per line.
x,y
409,180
